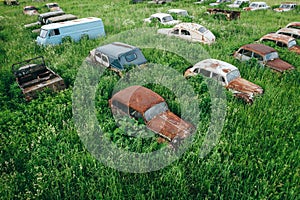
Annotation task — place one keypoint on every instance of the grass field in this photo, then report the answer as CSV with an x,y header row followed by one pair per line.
x,y
42,156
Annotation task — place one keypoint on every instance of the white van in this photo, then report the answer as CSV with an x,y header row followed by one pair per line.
x,y
53,34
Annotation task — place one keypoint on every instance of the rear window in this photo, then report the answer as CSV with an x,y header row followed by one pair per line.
x,y
130,57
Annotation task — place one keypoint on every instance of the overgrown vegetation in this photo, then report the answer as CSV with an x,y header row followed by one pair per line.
x,y
42,157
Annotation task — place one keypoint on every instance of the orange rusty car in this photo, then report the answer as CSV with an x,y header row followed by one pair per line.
x,y
265,56
282,41
142,103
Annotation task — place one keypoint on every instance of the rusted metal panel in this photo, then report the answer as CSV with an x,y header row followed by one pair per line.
x,y
245,86
230,14
259,48
138,98
278,37
279,65
293,25
169,125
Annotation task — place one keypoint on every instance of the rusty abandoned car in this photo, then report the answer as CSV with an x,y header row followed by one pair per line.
x,y
265,56
229,14
190,31
295,25
30,10
143,104
228,75
118,56
282,41
290,32
33,75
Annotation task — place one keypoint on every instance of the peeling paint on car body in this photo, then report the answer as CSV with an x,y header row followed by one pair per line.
x,y
283,41
266,56
30,10
190,31
228,75
140,102
290,32
295,25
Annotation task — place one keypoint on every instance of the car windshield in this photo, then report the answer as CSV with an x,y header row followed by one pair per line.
x,y
272,56
253,5
202,29
43,33
292,43
30,8
285,6
233,75
53,5
155,110
167,19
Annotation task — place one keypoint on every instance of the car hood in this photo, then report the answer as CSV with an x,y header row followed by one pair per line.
x,y
295,48
164,30
233,5
169,125
279,65
244,86
209,35
173,22
282,9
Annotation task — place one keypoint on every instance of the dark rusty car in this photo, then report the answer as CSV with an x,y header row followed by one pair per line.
x,y
282,41
142,103
228,75
30,10
33,75
265,55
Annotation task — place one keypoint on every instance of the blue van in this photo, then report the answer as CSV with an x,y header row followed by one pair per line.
x,y
53,34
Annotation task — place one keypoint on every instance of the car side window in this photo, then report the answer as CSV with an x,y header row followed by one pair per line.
x,y
281,44
133,113
258,57
176,31
185,32
247,53
120,106
197,70
214,76
130,57
222,79
205,72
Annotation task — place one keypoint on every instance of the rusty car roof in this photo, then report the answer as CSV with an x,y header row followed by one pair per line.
x,y
259,48
293,24
189,26
277,37
289,30
137,97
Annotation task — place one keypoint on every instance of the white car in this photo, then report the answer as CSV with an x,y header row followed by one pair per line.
x,y
218,2
257,6
286,6
228,75
238,3
163,18
190,31
178,12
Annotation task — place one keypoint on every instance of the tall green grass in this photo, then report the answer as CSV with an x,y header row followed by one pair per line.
x,y
42,157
